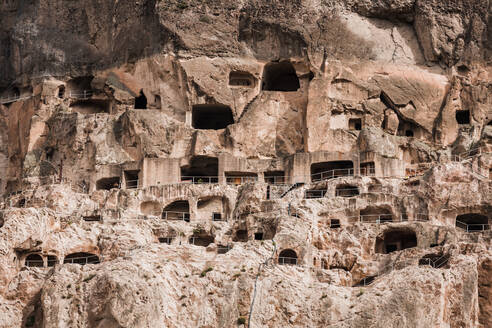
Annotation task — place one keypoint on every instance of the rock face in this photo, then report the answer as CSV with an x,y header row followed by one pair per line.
x,y
245,163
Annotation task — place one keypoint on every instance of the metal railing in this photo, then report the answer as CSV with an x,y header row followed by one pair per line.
x,y
282,260
331,174
376,218
34,263
176,216
81,94
346,192
166,240
437,263
199,179
132,184
14,98
472,227
368,171
92,259
241,180
313,194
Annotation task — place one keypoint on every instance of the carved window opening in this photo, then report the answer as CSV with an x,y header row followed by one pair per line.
x,y
108,183
463,117
141,101
211,117
287,257
396,240
329,170
280,76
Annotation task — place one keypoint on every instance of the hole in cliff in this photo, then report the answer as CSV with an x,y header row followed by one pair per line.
x,y
108,183
463,117
241,236
365,282
34,261
473,222
241,79
409,133
335,224
238,178
367,169
434,260
280,77
141,101
92,218
275,177
21,202
258,235
287,257
93,106
166,240
202,169
345,190
52,260
61,91
177,210
396,240
330,170
201,240
211,117
375,215
222,249
463,70
80,87
355,124
81,258
131,179
490,123
314,193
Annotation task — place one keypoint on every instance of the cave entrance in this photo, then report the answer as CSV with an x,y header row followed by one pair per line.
x,y
131,179
177,210
396,240
241,236
329,170
80,87
314,193
473,222
81,258
355,124
275,177
241,79
258,235
346,191
201,240
34,261
280,76
61,91
367,169
287,257
165,240
202,169
211,117
335,224
91,106
52,260
375,215
238,178
108,183
463,117
141,101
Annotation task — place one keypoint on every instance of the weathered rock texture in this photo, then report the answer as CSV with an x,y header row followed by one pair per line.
x,y
254,163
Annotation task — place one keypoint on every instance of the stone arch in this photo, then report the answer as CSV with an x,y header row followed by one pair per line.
x,y
396,240
287,257
280,76
34,260
81,258
177,210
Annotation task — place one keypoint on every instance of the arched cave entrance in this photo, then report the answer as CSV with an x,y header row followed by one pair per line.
x,y
201,240
177,210
288,257
396,240
81,258
211,117
280,76
34,261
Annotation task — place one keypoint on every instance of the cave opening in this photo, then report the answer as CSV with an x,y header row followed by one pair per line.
x,y
463,117
177,210
81,258
201,240
241,236
280,76
91,106
52,260
275,177
396,240
241,79
108,183
141,101
34,261
367,169
473,222
287,257
329,170
345,190
211,117
355,124
131,179
201,169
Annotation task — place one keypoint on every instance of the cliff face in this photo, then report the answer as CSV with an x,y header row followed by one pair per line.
x,y
248,164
